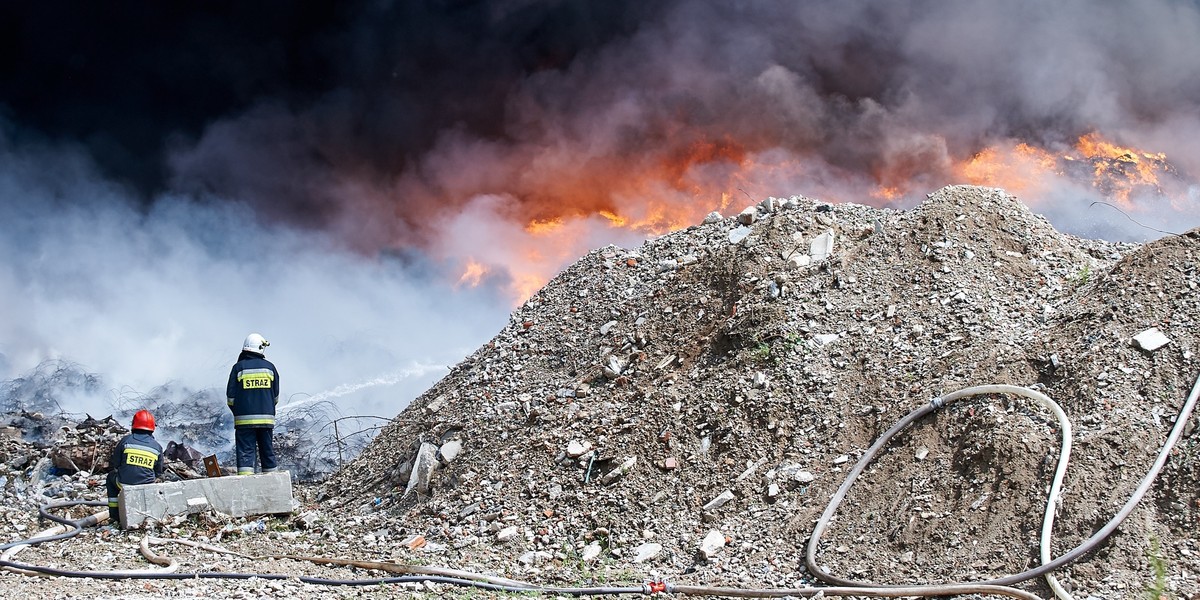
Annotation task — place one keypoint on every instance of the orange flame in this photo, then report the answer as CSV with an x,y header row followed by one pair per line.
x,y
564,204
543,226
1021,169
650,198
888,193
1114,171
473,273
1119,171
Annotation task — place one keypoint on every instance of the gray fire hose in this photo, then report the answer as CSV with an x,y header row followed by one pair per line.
x,y
1048,565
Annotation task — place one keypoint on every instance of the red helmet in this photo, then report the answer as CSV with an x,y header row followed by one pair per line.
x,y
142,419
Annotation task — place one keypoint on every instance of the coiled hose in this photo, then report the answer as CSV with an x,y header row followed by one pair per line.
x,y
840,587
1048,565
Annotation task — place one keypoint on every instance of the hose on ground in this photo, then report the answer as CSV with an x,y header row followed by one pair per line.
x,y
423,574
871,592
693,590
840,587
1048,565
70,527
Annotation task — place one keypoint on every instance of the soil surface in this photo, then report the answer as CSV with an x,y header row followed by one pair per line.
x,y
684,411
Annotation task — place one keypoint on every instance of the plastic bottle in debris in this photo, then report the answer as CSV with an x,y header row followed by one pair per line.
x,y
258,526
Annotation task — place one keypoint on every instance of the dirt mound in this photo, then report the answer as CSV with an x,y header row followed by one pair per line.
x,y
727,376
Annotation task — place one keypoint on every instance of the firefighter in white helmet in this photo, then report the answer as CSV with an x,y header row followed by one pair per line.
x,y
253,392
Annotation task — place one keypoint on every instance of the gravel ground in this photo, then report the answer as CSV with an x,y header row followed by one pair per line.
x,y
684,411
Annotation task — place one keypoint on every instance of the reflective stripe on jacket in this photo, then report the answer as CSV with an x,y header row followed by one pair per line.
x,y
253,391
137,459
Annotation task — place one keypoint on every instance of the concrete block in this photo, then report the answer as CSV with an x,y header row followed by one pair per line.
x,y
238,496
1151,339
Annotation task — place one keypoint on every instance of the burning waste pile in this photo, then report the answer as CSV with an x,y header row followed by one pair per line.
x,y
192,424
48,454
687,408
683,412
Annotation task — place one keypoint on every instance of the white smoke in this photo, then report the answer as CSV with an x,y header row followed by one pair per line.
x,y
144,297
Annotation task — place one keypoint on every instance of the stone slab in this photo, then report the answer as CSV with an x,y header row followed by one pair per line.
x,y
237,496
1151,339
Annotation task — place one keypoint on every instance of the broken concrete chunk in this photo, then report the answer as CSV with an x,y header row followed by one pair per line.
x,y
537,557
712,543
619,471
437,404
590,552
646,551
751,468
748,215
824,339
719,501
798,260
738,234
821,246
760,380
796,473
712,217
1151,339
267,493
449,451
613,367
666,362
422,469
507,534
576,448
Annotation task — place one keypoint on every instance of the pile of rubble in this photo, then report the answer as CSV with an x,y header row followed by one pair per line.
x,y
685,410
191,423
45,457
688,407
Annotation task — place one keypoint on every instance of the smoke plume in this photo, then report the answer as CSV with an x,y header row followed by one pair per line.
x,y
146,297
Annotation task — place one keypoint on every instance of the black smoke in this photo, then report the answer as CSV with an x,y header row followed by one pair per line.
x,y
320,113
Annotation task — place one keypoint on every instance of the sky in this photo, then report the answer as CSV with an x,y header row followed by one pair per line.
x,y
373,186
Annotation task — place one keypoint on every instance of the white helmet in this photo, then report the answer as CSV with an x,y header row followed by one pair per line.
x,y
256,344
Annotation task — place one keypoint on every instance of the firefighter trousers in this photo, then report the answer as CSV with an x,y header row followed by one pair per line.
x,y
251,443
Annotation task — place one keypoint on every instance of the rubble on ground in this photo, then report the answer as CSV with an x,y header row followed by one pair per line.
x,y
721,380
198,422
685,409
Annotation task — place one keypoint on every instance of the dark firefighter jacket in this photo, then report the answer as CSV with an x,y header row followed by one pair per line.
x,y
253,391
137,459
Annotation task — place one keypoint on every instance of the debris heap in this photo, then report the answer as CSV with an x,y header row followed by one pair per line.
x,y
688,407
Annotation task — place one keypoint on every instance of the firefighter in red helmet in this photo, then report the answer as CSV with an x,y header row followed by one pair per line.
x,y
137,459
